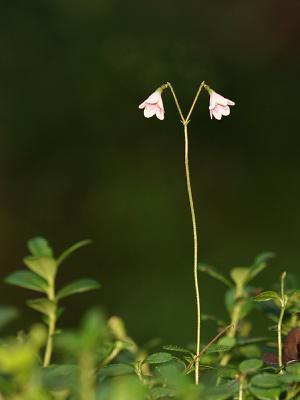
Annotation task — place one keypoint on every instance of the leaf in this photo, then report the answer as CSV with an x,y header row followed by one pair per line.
x,y
265,386
28,280
265,393
265,380
42,305
260,263
7,314
214,273
239,276
44,266
227,341
79,286
249,366
39,247
267,296
173,347
220,392
263,257
71,250
293,368
227,372
117,370
158,392
217,348
158,358
60,377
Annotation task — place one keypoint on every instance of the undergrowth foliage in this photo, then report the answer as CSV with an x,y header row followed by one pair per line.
x,y
100,361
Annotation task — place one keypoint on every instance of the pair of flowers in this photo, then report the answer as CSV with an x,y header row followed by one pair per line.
x,y
218,105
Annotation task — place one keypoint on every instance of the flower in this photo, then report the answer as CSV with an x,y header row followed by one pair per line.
x,y
219,105
153,105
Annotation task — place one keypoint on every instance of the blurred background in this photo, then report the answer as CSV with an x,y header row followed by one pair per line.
x,y
78,159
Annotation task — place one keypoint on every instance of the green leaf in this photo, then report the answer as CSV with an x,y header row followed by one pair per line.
x,y
265,386
227,372
39,247
44,266
239,276
266,380
267,296
158,358
227,341
265,393
71,250
173,347
28,280
293,368
7,314
79,286
214,273
42,305
217,348
290,378
260,263
263,257
221,392
161,392
60,377
249,366
117,370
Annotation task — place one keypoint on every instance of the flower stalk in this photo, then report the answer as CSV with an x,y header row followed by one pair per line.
x,y
219,106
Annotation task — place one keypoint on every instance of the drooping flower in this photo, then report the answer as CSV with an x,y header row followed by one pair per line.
x,y
153,105
219,105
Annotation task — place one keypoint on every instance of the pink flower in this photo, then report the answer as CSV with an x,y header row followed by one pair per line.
x,y
153,105
219,106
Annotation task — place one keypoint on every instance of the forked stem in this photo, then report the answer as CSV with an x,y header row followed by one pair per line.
x,y
185,121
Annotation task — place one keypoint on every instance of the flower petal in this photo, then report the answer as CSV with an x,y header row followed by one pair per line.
x,y
217,113
230,103
149,111
225,110
160,114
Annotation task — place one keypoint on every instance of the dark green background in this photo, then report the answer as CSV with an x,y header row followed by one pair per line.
x,y
78,159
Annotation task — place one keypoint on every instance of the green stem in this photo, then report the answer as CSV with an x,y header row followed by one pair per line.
x,y
241,387
195,101
279,328
185,122
169,85
51,326
191,202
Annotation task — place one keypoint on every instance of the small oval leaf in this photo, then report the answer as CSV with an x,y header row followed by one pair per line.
x,y
158,358
249,366
79,286
28,280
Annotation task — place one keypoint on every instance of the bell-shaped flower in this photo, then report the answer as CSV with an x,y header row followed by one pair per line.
x,y
153,105
219,105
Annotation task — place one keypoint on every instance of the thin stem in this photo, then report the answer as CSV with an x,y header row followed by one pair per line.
x,y
195,101
169,85
51,326
190,196
207,347
241,387
279,329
